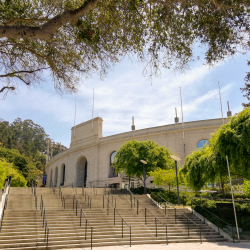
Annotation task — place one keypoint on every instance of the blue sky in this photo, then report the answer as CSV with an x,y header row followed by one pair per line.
x,y
125,92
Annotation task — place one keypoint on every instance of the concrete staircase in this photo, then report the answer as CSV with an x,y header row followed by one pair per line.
x,y
22,226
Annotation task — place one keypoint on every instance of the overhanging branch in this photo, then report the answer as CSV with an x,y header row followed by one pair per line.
x,y
46,31
7,87
12,74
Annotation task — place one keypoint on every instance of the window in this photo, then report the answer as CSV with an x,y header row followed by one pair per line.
x,y
112,169
201,143
112,157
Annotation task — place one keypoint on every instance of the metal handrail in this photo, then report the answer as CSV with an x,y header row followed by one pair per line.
x,y
170,204
211,214
146,209
45,225
87,222
221,199
89,199
62,197
115,211
6,191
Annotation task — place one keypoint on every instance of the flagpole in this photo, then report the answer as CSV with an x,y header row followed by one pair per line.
x,y
75,120
93,110
221,104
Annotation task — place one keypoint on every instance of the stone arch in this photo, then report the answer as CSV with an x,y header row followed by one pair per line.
x,y
81,171
62,181
55,177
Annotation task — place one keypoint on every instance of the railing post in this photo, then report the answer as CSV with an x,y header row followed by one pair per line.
x,y
88,200
81,218
137,206
73,201
86,230
90,204
91,236
103,202
122,228
114,216
165,207
108,207
115,202
175,214
167,234
156,226
76,208
200,234
145,216
188,226
130,234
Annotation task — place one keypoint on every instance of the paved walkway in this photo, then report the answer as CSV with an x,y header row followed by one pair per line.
x,y
178,246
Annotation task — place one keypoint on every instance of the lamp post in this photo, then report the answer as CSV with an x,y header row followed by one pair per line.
x,y
144,162
175,158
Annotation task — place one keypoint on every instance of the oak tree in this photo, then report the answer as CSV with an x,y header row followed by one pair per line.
x,y
71,39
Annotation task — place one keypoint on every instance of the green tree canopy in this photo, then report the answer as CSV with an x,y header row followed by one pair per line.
x,y
127,159
6,169
233,139
163,177
21,164
209,163
68,37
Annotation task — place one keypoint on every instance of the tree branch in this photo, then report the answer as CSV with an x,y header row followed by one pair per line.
x,y
46,31
12,74
6,87
17,20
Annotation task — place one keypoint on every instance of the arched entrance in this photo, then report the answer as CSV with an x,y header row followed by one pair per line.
x,y
56,177
62,175
81,172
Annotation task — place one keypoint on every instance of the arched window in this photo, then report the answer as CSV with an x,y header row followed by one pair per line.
x,y
112,157
201,143
112,169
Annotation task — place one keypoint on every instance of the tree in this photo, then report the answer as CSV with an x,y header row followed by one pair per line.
x,y
6,169
247,89
127,159
70,37
164,177
209,163
233,140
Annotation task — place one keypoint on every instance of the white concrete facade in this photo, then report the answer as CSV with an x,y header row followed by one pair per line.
x,y
88,159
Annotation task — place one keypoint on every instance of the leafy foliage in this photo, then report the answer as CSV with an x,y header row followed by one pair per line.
x,y
246,187
164,177
66,37
209,163
127,159
247,88
6,169
22,164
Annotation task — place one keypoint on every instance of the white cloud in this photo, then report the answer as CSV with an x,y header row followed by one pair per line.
x,y
123,94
